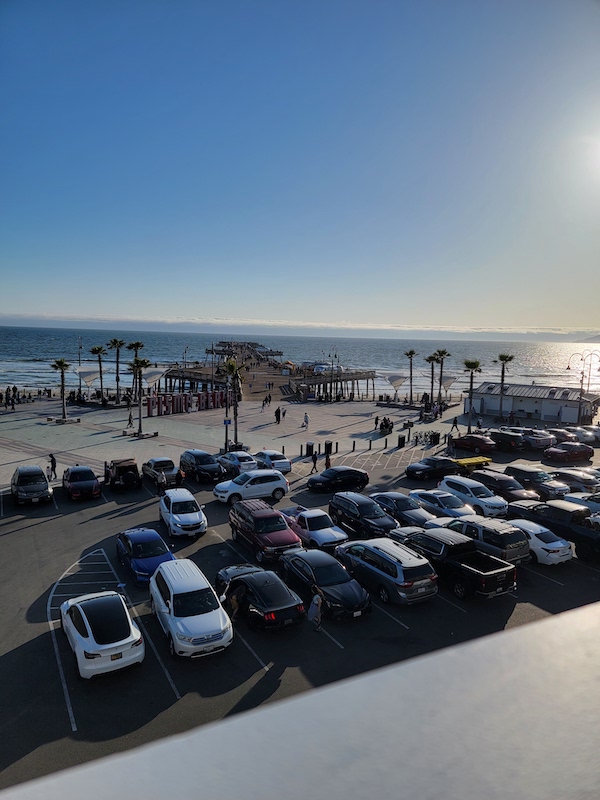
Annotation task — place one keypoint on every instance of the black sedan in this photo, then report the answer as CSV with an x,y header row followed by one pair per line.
x,y
433,467
80,482
402,508
342,595
335,479
262,597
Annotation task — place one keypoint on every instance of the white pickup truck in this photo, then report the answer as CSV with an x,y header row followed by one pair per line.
x,y
314,527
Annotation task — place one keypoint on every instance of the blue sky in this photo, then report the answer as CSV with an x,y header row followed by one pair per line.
x,y
340,163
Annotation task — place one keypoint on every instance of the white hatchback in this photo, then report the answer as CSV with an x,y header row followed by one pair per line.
x,y
251,485
101,633
479,497
179,510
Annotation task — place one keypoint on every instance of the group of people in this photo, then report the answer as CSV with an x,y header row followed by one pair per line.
x,y
238,600
12,396
279,414
266,402
385,426
315,459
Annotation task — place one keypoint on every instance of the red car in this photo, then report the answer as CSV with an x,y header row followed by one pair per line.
x,y
476,442
80,482
569,451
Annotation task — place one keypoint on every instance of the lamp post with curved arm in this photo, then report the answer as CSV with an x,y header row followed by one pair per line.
x,y
586,359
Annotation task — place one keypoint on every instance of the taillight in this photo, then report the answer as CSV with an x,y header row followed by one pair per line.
x,y
270,617
406,584
91,655
137,642
515,576
300,608
433,578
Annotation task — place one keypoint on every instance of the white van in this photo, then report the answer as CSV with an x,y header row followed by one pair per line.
x,y
188,610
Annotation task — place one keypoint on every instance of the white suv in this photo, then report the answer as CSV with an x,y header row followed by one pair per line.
x,y
252,485
479,497
188,610
179,510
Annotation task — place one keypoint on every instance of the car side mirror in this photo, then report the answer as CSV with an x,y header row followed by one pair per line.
x,y
222,598
203,506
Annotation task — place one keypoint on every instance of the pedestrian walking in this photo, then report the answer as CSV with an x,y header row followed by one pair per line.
x,y
48,473
315,610
52,465
376,422
278,415
161,483
270,398
306,420
236,598
479,423
455,425
327,461
130,420
314,463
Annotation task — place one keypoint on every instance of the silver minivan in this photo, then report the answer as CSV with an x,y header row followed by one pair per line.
x,y
396,573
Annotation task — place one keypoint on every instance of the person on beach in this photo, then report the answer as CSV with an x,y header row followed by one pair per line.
x,y
278,415
314,463
376,422
455,425
52,465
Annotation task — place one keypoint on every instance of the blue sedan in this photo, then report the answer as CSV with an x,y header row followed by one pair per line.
x,y
141,550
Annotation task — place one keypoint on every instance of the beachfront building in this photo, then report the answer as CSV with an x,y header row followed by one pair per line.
x,y
559,405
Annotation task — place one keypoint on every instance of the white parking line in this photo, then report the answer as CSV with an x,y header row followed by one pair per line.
x,y
391,616
231,545
254,653
450,603
583,564
334,640
533,572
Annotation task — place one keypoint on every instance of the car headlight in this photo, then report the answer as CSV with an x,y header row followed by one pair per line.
x,y
183,638
140,574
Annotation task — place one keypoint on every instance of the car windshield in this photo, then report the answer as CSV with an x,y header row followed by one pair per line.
x,y
405,503
241,479
481,491
242,458
414,573
149,549
82,475
278,457
270,524
31,480
185,507
540,477
547,537
511,483
330,473
372,512
330,575
451,502
319,523
107,618
164,464
191,604
205,459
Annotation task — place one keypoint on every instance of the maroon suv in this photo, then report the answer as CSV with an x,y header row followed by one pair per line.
x,y
262,528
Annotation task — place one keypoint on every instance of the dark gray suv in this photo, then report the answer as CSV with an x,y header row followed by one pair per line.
x,y
30,485
360,516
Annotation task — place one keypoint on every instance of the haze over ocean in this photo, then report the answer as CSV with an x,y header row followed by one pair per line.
x,y
26,355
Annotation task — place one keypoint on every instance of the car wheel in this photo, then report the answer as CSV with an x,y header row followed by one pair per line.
x,y
76,665
335,518
477,450
459,587
172,652
234,498
260,556
384,595
534,558
478,510
278,494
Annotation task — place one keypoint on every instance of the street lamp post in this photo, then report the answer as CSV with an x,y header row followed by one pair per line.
x,y
586,359
79,359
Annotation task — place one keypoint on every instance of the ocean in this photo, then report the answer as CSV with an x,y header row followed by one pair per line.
x,y
26,355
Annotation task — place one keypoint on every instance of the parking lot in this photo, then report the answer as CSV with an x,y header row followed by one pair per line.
x,y
62,549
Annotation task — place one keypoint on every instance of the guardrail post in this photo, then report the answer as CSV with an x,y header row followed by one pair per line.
x,y
283,449
353,446
385,445
370,443
337,444
301,451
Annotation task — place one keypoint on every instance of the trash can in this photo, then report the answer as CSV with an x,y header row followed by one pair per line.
x,y
401,441
435,438
328,447
310,448
381,398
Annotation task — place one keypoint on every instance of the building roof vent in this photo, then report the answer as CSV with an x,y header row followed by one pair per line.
x,y
552,392
566,392
491,387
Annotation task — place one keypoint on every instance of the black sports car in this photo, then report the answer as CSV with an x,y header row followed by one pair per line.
x,y
335,479
263,598
433,467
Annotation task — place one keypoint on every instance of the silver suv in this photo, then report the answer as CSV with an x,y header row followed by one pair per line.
x,y
30,485
397,574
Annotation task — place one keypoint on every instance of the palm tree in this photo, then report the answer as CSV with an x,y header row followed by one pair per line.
x,y
99,351
137,366
433,360
136,347
233,372
441,355
410,354
60,365
472,366
504,359
117,344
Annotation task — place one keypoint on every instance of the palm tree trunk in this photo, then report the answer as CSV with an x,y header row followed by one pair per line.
x,y
118,389
470,402
501,392
432,381
440,386
411,383
101,384
62,394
